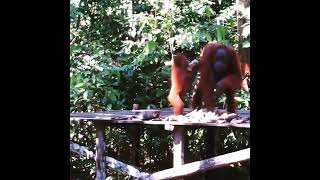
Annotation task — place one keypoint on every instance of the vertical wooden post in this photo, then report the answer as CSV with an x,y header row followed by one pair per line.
x,y
210,148
178,146
136,144
100,151
136,140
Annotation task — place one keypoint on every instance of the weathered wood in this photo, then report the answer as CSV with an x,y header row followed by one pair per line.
x,y
81,150
136,138
164,112
110,162
127,117
178,147
114,117
159,122
100,150
125,168
201,166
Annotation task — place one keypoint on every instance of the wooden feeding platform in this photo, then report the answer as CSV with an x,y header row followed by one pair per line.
x,y
127,117
134,118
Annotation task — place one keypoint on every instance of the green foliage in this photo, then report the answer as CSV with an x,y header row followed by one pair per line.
x,y
82,133
243,100
118,58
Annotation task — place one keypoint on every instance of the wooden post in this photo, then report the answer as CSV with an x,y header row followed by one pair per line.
x,y
136,140
210,148
100,151
136,144
178,147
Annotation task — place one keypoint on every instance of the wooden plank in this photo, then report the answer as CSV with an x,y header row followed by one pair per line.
x,y
100,150
178,147
110,162
125,114
105,116
125,168
160,122
81,150
201,166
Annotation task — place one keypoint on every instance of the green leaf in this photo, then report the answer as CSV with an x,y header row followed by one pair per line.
x,y
93,78
159,93
141,57
209,12
75,48
72,81
105,72
225,42
130,73
201,10
149,48
221,32
208,37
79,85
113,97
246,44
85,95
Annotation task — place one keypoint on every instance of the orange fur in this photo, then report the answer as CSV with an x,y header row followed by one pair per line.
x,y
182,75
226,82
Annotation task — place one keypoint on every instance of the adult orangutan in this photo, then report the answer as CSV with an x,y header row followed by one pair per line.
x,y
219,68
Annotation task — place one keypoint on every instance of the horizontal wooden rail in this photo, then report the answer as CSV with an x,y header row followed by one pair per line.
x,y
201,166
110,162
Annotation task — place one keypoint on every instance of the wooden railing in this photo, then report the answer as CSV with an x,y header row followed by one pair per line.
x,y
179,169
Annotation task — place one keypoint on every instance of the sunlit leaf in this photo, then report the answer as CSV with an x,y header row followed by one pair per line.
x,y
93,78
246,44
149,48
85,95
221,32
79,85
